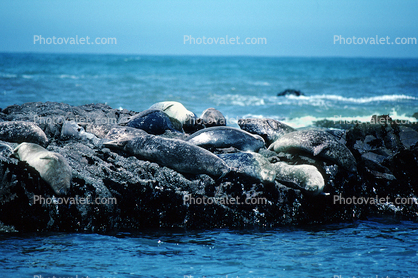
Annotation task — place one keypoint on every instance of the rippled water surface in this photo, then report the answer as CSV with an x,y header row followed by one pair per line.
x,y
361,249
240,87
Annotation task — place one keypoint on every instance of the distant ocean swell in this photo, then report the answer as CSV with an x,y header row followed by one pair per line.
x,y
239,87
315,100
327,104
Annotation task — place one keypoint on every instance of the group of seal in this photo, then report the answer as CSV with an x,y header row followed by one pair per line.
x,y
147,136
317,143
193,153
52,167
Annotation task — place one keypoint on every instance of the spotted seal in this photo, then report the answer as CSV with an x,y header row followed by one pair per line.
x,y
19,132
177,111
224,137
152,121
251,164
304,177
317,143
212,117
269,129
176,154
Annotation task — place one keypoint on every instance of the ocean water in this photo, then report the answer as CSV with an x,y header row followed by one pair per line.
x,y
240,87
374,248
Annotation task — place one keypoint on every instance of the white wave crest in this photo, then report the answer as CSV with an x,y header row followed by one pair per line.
x,y
8,75
70,76
260,83
306,121
238,100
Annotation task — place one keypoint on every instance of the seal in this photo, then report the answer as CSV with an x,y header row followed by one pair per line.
x,y
251,164
152,121
225,137
176,154
317,143
70,129
269,129
51,166
212,117
124,133
304,177
19,132
177,111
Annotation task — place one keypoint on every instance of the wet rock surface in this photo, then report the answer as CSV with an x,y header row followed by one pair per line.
x,y
136,194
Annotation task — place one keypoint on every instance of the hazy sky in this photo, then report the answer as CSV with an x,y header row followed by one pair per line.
x,y
289,28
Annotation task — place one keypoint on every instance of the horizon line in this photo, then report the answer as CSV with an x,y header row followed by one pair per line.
x,y
208,55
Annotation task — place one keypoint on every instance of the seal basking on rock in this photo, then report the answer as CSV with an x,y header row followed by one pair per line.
x,y
124,133
70,129
251,164
317,143
177,111
305,177
224,137
269,129
19,132
51,166
212,117
152,121
175,154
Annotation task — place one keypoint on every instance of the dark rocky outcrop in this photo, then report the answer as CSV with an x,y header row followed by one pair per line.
x,y
140,194
290,92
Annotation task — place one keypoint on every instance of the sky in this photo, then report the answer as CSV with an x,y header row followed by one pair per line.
x,y
304,28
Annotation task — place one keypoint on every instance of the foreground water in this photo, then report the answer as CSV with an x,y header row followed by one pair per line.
x,y
375,248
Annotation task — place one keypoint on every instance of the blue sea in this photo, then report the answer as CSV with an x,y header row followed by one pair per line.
x,y
377,248
338,89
